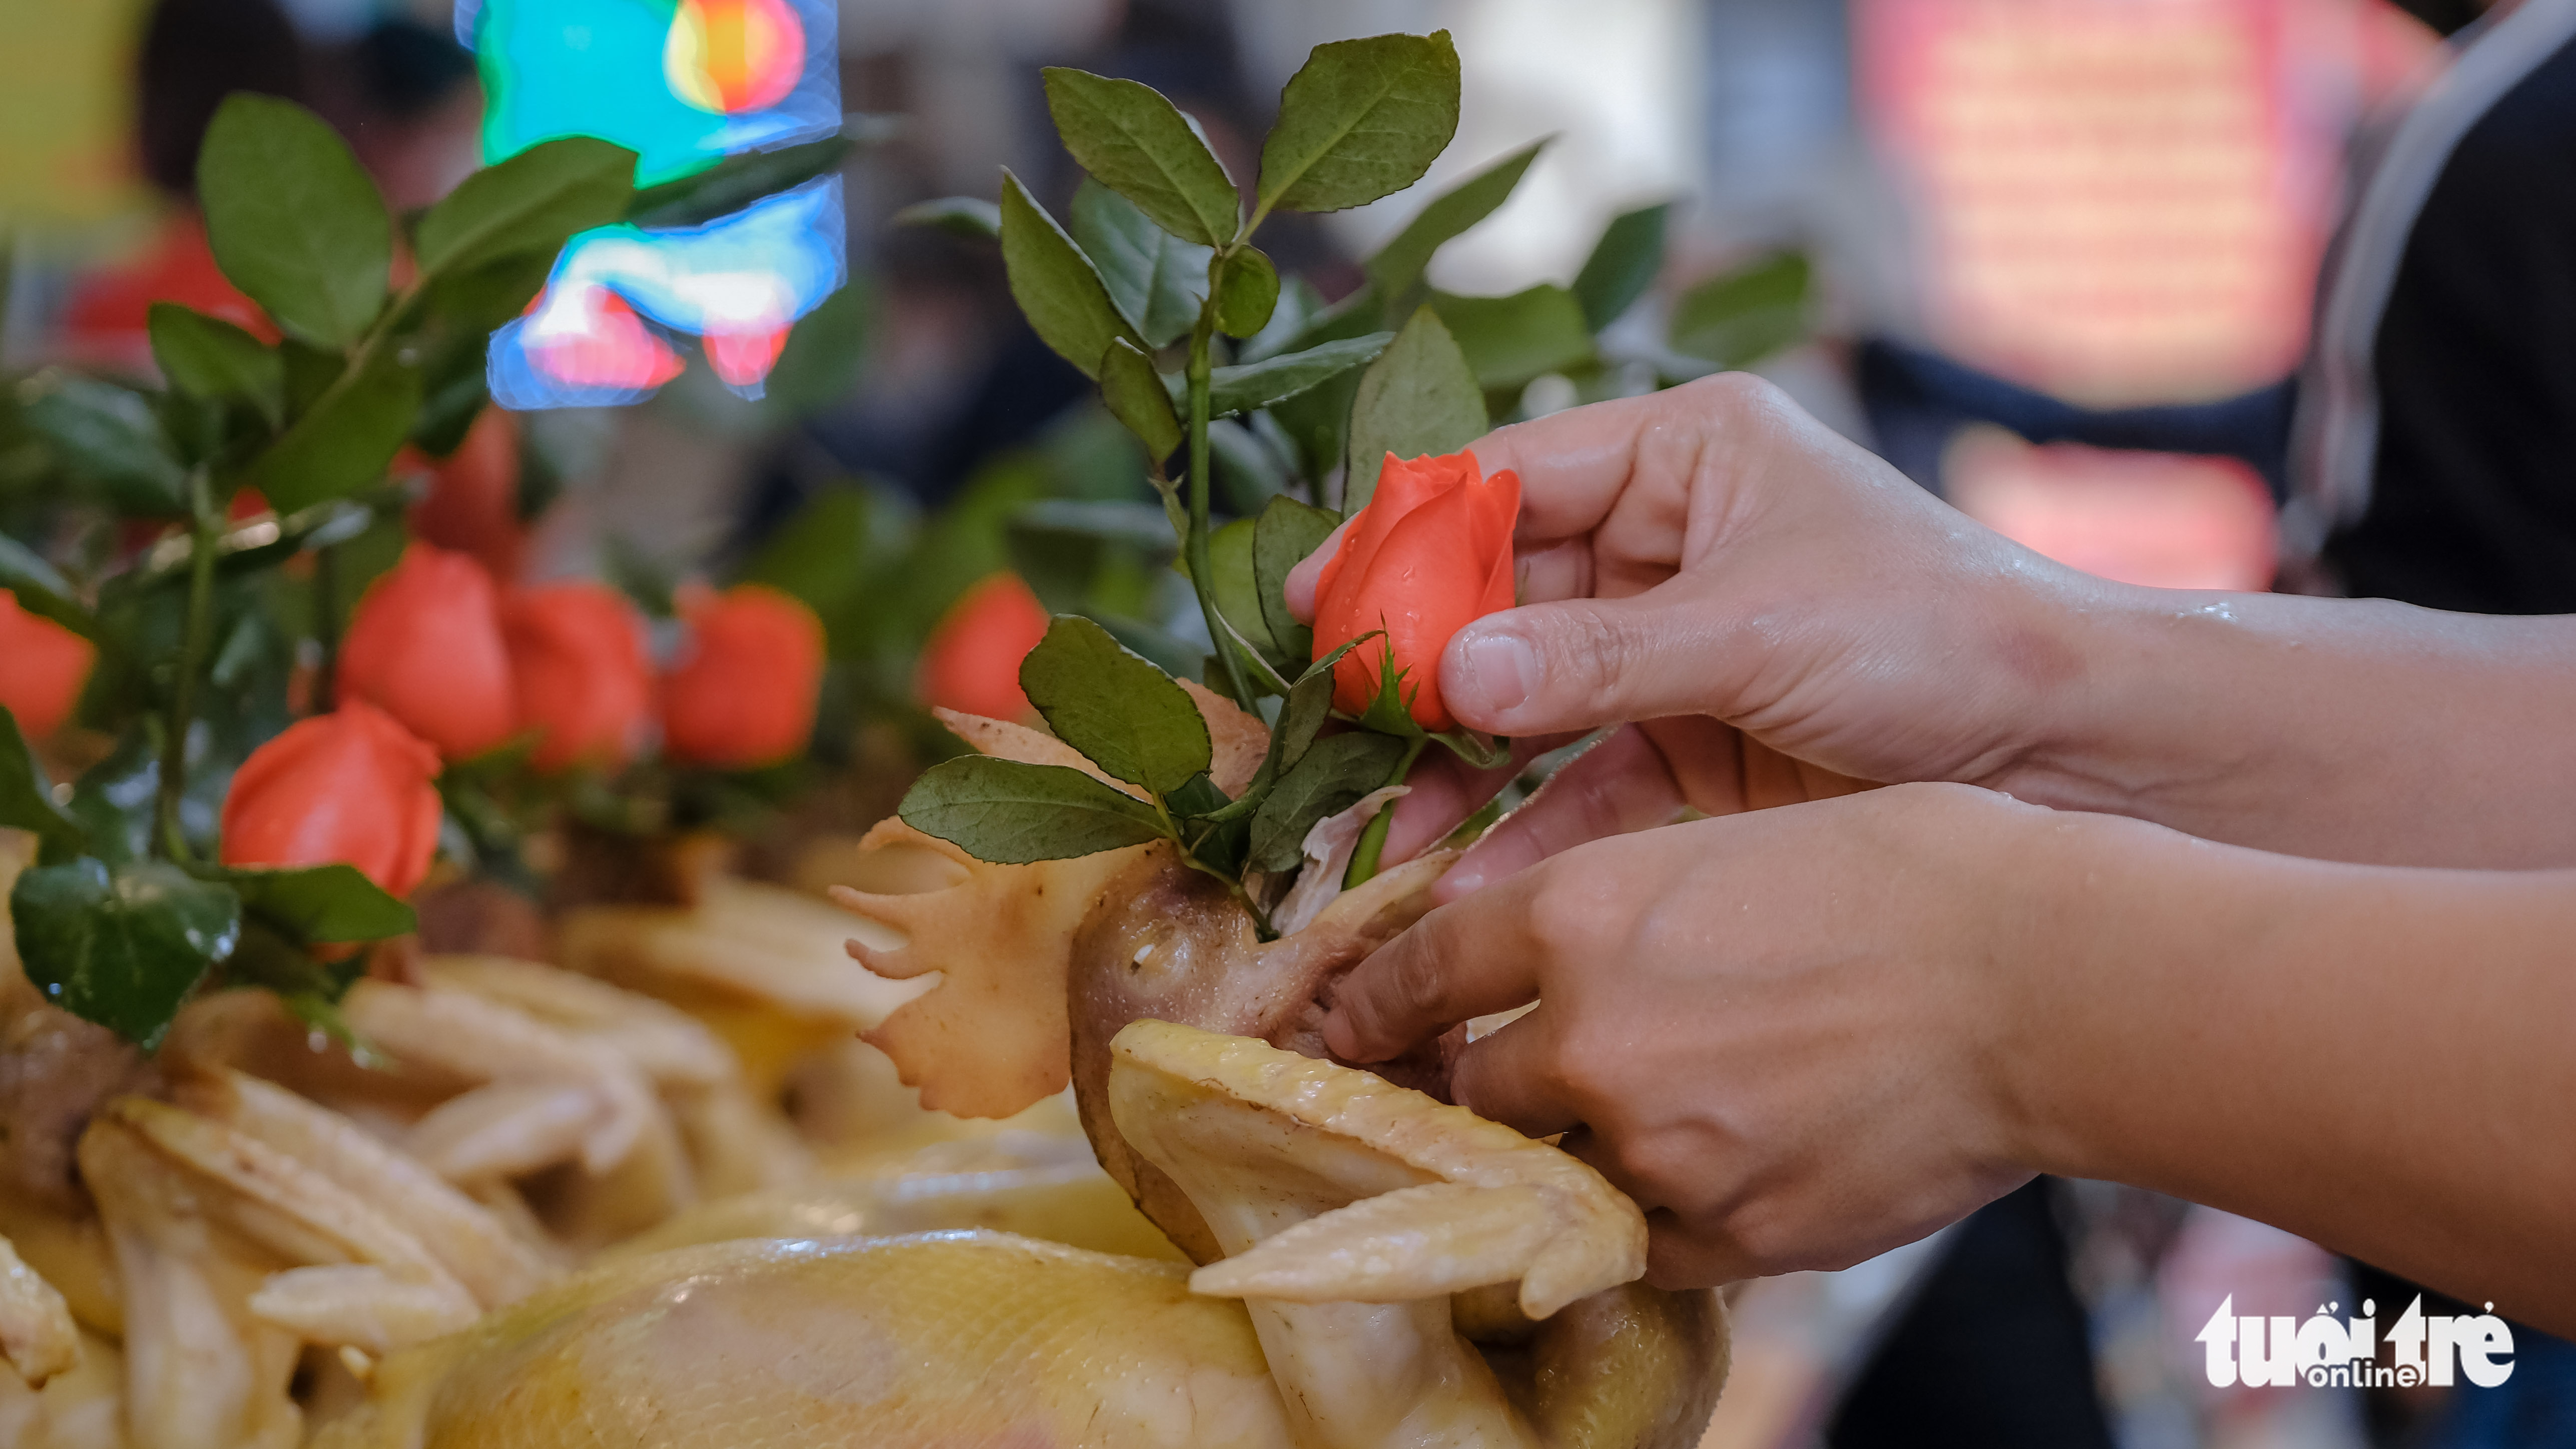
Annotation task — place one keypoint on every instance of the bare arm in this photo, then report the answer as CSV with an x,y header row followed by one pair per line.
x,y
1780,608
1801,1036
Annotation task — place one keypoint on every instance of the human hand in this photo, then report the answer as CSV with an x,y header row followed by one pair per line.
x,y
1785,614
1779,1033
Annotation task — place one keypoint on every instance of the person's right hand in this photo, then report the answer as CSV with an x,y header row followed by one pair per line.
x,y
1786,615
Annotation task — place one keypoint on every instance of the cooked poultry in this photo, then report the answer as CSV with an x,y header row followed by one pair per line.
x,y
37,1335
1363,1206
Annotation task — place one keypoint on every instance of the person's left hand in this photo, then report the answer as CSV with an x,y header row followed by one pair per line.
x,y
1778,1032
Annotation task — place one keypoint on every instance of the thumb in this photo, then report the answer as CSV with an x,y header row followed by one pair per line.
x,y
1579,664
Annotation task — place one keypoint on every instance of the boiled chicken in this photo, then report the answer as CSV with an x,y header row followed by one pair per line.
x,y
1359,1208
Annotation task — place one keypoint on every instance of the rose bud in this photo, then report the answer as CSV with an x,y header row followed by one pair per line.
x,y
1430,553
743,691
972,662
473,500
578,666
42,668
351,786
425,647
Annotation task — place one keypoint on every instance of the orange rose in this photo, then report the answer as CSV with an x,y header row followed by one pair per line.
x,y
972,662
42,668
351,786
578,666
473,500
425,647
743,691
1430,553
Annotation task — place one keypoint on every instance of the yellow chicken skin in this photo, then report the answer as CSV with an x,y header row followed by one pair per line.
x,y
1356,1209
945,1339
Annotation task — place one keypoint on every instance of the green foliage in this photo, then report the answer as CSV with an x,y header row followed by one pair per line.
x,y
1421,397
319,903
41,589
1738,318
1399,263
964,216
343,441
1623,264
1139,145
121,947
1157,281
737,181
1510,340
1121,712
1013,814
1136,397
292,218
1329,778
1277,379
1283,536
1247,292
1158,256
210,358
532,202
106,436
26,796
1360,120
1056,285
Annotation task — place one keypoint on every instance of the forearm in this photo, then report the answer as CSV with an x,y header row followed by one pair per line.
x,y
2357,730
2375,1058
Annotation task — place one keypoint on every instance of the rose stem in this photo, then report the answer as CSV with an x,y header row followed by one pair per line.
x,y
1202,574
1373,835
209,523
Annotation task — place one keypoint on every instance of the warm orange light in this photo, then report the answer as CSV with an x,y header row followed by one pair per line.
x,y
734,55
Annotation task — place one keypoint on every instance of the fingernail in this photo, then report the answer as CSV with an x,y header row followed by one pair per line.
x,y
1502,668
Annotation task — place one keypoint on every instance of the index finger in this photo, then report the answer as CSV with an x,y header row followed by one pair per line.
x,y
1466,959
1574,465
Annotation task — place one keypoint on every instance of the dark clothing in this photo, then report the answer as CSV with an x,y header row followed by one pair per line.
x,y
2473,491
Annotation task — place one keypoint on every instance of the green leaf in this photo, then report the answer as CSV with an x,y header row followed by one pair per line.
x,y
1247,292
1122,713
122,948
330,903
40,590
1276,379
1331,778
480,298
1299,304
1197,799
343,442
1249,473
735,182
1419,398
1399,263
1390,711
1137,397
1055,285
1510,340
1011,814
1238,595
310,371
107,435
26,796
211,358
1741,317
1286,533
532,202
1623,264
967,216
1361,119
1140,146
454,389
292,218
1157,281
